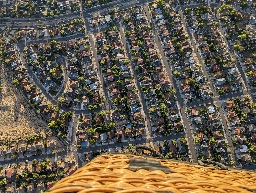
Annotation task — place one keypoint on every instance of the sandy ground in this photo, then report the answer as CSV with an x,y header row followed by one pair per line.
x,y
17,120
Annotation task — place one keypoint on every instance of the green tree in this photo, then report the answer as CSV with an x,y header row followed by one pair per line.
x,y
102,62
63,33
160,4
176,73
191,81
55,124
183,140
225,145
221,92
168,155
242,37
50,106
101,113
80,79
250,73
53,43
61,100
244,4
67,115
127,33
3,183
212,141
35,176
90,131
52,124
152,110
15,81
237,47
253,149
163,107
112,125
197,140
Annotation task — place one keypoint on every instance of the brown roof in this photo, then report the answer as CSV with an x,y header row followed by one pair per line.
x,y
9,172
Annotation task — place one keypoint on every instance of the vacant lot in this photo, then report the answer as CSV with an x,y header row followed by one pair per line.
x,y
17,119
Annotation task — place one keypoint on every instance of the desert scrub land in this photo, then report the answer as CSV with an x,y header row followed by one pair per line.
x,y
17,119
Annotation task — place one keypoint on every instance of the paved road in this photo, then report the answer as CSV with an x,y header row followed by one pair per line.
x,y
238,62
102,147
138,141
35,25
104,11
250,167
246,87
73,143
47,19
216,97
86,13
2,80
59,39
247,10
123,4
182,107
21,46
22,43
141,96
53,100
108,102
31,158
64,64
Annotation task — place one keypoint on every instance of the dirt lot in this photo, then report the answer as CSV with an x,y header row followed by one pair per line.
x,y
17,119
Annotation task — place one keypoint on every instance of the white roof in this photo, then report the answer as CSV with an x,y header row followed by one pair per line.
x,y
33,56
139,16
221,81
244,149
120,56
159,16
103,136
231,70
159,11
211,109
93,86
107,18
